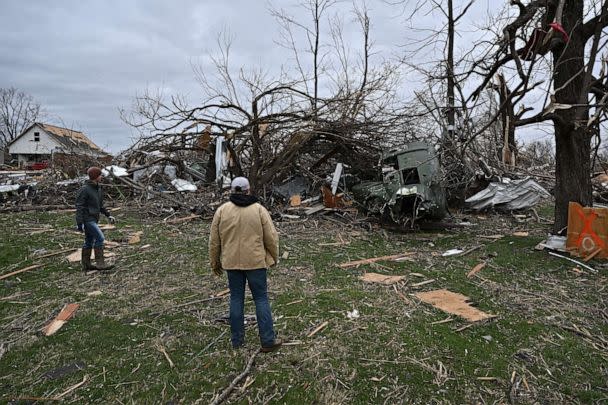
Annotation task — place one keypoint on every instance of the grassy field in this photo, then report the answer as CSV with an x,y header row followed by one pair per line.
x,y
152,332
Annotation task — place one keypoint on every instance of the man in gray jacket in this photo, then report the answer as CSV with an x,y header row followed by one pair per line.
x,y
89,204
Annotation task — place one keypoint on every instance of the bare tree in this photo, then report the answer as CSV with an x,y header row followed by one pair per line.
x,y
275,124
566,36
18,111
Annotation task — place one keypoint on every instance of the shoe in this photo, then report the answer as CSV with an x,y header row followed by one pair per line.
x,y
275,346
86,260
100,261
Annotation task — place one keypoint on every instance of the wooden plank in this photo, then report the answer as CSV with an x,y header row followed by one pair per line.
x,y
381,278
56,253
135,238
420,284
476,269
66,313
453,303
314,209
375,259
592,255
318,329
182,219
32,267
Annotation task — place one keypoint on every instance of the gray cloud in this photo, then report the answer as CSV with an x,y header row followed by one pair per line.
x,y
82,60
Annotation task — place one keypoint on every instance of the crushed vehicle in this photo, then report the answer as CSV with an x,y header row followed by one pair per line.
x,y
410,189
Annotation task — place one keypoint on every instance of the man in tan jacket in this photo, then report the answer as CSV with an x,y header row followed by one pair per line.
x,y
244,242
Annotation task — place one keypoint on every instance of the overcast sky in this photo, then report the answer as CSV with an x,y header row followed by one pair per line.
x,y
83,60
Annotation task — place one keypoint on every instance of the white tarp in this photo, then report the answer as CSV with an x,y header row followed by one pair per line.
x,y
515,195
115,170
183,185
168,170
9,187
72,181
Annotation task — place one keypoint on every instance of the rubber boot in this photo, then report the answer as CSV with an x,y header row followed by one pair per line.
x,y
100,260
86,260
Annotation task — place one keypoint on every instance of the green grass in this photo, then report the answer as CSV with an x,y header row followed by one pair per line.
x,y
397,351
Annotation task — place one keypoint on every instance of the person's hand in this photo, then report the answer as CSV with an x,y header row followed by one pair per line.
x,y
217,271
112,219
80,227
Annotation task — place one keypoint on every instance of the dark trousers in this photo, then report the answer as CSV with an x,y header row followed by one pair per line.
x,y
258,286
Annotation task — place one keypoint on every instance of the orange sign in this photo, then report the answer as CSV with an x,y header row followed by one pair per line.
x,y
587,231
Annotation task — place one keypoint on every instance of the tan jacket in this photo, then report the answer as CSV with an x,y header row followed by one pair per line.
x,y
242,238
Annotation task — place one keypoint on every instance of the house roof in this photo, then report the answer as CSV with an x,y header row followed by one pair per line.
x,y
68,138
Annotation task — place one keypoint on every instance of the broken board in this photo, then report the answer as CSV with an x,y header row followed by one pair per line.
x,y
453,303
381,278
66,313
396,258
135,238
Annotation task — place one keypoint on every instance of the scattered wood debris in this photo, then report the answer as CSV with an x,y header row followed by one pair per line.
x,y
476,269
381,278
135,238
162,349
453,303
66,313
425,282
318,329
226,393
216,296
72,388
32,267
574,261
182,219
59,252
397,257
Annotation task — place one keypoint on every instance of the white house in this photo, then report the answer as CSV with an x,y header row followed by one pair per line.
x,y
40,142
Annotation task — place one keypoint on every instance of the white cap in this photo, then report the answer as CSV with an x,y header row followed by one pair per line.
x,y
239,184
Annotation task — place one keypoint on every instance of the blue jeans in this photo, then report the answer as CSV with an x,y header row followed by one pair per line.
x,y
93,237
258,286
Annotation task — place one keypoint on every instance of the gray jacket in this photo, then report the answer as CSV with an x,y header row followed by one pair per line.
x,y
89,203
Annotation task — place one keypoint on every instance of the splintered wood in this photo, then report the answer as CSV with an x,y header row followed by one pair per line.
x,y
66,313
453,303
135,238
476,269
399,257
380,278
28,268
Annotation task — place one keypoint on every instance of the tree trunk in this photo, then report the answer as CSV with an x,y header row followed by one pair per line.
x,y
572,139
450,76
572,171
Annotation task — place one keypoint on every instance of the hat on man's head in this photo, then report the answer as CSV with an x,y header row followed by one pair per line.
x,y
93,172
239,184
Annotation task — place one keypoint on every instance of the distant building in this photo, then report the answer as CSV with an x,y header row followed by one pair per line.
x,y
43,144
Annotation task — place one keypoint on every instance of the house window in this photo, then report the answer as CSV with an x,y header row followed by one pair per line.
x,y
36,136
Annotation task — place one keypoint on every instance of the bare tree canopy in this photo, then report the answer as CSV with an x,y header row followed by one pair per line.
x,y
271,123
18,111
544,60
556,44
